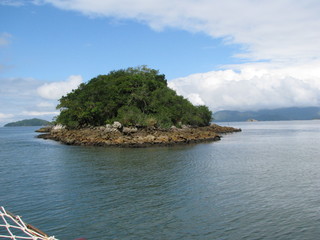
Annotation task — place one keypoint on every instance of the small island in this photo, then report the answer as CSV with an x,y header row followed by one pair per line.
x,y
28,123
131,107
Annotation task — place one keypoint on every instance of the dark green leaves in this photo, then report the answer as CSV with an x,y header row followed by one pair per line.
x,y
134,96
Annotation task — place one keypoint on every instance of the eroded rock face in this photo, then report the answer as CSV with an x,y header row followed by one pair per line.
x,y
111,135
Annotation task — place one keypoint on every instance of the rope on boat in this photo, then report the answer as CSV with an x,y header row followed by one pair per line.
x,y
12,227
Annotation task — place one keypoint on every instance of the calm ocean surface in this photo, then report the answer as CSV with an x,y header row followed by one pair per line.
x,y
262,183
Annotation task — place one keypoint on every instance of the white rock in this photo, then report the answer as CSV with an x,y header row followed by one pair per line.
x,y
117,125
58,127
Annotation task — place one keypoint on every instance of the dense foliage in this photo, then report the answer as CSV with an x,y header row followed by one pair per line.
x,y
28,122
134,96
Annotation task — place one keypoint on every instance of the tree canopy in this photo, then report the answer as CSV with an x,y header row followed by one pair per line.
x,y
134,96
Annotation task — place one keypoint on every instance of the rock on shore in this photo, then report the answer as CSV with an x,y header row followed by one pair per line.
x,y
116,135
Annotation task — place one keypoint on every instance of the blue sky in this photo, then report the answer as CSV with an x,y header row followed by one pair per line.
x,y
50,44
236,55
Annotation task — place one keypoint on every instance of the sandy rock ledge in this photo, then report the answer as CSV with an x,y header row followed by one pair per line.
x,y
116,135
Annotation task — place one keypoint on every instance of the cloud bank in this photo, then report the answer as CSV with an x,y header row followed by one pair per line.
x,y
5,116
251,88
56,90
23,98
35,113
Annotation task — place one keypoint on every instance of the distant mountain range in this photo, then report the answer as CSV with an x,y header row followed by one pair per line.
x,y
280,114
28,122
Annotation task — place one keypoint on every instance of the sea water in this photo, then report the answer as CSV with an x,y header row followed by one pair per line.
x,y
261,183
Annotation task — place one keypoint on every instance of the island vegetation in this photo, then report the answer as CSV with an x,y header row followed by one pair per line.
x,y
28,122
131,107
135,97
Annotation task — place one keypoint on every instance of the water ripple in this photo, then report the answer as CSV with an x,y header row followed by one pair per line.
x,y
261,183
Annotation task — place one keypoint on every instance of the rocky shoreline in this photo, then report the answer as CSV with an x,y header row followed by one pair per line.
x,y
118,136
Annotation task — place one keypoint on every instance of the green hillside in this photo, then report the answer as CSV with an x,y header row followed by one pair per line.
x,y
28,122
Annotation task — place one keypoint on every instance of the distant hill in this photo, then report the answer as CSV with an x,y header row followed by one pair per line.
x,y
280,114
28,122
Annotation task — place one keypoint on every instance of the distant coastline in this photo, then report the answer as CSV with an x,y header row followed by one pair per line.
x,y
279,114
133,137
28,122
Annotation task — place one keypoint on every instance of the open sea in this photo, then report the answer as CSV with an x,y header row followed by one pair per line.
x,y
261,183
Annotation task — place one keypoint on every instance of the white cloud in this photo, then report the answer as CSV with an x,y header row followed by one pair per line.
x,y
5,116
195,99
18,87
17,95
56,90
253,87
35,113
19,99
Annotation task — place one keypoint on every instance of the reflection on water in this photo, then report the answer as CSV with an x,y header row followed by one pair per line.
x,y
261,183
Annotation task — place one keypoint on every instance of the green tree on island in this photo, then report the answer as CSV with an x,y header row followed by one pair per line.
x,y
135,97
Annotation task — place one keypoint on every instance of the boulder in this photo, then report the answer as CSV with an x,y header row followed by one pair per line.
x,y
117,125
162,139
111,130
150,138
44,129
129,130
58,127
174,128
